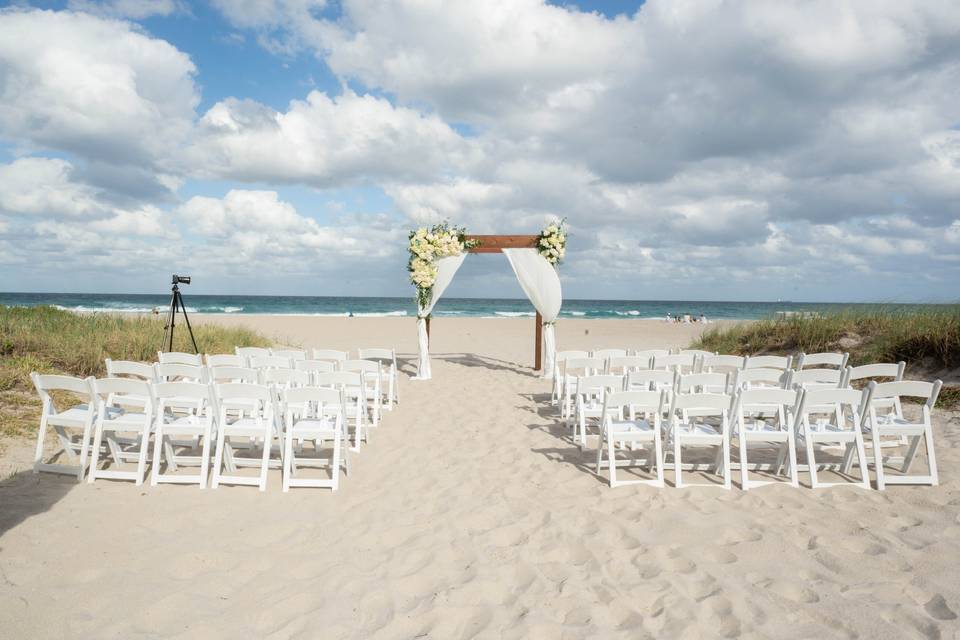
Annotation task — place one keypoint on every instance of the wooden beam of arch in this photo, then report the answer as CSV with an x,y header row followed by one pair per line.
x,y
496,244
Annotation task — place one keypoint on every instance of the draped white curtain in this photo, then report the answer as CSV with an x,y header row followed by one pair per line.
x,y
540,281
446,268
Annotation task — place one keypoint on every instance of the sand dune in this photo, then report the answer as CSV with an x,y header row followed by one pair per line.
x,y
471,514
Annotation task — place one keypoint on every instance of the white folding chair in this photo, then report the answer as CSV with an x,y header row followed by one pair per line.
x,y
632,417
818,378
330,354
885,418
373,379
606,354
823,359
131,370
833,417
319,415
622,365
177,372
285,378
248,352
679,362
652,380
702,383
571,369
558,384
768,362
292,354
183,409
77,418
650,354
219,375
246,411
387,358
700,420
761,377
698,355
270,362
722,363
589,395
879,372
179,357
354,388
753,428
114,418
225,360
313,367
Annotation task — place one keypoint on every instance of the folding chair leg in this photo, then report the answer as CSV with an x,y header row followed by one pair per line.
x,y
677,471
335,471
811,463
95,454
658,453
862,455
84,450
931,456
744,478
878,459
287,460
218,459
612,460
41,435
725,448
792,460
265,460
603,435
205,453
157,457
142,454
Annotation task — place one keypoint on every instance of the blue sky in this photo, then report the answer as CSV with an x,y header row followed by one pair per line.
x,y
702,151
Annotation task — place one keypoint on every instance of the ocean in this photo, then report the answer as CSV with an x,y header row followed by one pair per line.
x,y
380,307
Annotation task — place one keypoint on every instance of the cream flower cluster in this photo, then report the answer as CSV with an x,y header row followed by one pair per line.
x,y
553,242
427,245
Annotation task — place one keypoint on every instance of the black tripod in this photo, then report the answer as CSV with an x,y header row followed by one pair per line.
x,y
176,302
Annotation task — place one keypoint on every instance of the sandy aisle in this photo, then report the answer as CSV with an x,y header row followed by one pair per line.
x,y
471,515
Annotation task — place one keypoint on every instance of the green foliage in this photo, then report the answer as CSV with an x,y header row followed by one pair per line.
x,y
49,340
926,338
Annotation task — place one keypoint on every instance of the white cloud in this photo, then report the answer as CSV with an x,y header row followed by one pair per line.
x,y
322,141
94,87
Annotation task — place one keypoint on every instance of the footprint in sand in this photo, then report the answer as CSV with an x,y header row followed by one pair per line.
x,y
938,609
793,592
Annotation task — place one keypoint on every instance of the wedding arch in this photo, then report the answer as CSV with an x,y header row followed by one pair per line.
x,y
436,253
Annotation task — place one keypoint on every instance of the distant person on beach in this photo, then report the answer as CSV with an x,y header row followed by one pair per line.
x,y
155,311
703,318
669,318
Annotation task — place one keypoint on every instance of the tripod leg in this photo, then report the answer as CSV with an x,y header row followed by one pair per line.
x,y
168,330
183,307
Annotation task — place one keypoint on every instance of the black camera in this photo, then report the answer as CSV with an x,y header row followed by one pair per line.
x,y
180,279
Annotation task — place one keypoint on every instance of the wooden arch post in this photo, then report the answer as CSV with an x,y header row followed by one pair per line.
x,y
496,244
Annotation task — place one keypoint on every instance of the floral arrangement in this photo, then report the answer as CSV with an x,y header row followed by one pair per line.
x,y
429,244
553,242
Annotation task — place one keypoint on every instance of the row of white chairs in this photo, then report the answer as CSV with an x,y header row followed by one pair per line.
x,y
688,410
312,360
667,375
209,406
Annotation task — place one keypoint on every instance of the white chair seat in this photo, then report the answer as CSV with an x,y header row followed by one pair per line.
x,y
117,420
630,427
761,426
695,429
314,426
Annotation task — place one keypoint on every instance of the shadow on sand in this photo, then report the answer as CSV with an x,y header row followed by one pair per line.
x,y
26,493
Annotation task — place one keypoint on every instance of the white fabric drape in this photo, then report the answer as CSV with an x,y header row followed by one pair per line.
x,y
446,267
539,280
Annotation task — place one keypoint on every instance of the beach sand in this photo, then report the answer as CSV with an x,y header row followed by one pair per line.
x,y
471,514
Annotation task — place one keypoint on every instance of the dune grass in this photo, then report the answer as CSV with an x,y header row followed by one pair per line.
x,y
50,340
928,340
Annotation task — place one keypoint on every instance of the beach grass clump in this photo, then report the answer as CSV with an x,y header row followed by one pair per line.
x,y
927,339
50,340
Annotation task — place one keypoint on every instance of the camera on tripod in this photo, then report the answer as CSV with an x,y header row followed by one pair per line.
x,y
176,304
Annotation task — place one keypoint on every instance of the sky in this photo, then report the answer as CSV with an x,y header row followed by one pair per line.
x,y
698,149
